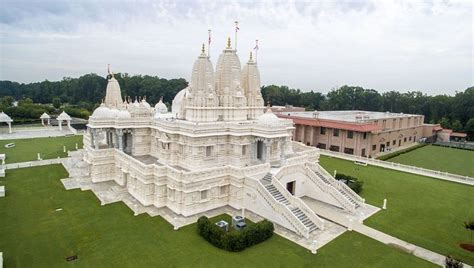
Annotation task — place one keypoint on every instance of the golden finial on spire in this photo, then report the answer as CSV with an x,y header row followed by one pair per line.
x,y
202,49
228,42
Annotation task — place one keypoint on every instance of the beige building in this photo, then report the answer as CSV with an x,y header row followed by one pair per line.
x,y
361,133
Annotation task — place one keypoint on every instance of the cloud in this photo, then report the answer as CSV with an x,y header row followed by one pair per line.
x,y
386,45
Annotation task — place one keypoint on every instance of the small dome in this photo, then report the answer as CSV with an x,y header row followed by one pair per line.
x,y
113,113
160,107
101,112
268,118
145,104
124,114
45,116
5,118
178,101
136,104
63,116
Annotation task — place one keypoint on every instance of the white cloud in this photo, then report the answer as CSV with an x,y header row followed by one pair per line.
x,y
384,45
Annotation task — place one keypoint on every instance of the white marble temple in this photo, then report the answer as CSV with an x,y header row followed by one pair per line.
x,y
219,147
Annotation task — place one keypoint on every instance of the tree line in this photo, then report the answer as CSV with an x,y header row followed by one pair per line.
x,y
80,96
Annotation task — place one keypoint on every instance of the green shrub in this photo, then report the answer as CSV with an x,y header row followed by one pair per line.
x,y
352,182
397,153
234,240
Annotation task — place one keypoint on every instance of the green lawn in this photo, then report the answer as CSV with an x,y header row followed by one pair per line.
x,y
421,210
33,234
450,160
28,149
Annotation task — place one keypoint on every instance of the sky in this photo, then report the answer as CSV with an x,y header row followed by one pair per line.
x,y
317,45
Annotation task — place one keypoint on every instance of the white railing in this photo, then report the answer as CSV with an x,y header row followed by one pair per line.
x,y
280,208
34,163
337,184
402,167
296,202
328,188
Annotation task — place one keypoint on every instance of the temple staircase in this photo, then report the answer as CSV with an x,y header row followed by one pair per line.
x,y
294,209
339,190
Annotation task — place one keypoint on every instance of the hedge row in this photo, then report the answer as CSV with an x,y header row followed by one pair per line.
x,y
397,153
453,146
234,240
352,182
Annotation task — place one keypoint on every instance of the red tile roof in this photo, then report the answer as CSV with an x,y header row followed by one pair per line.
x,y
458,134
358,127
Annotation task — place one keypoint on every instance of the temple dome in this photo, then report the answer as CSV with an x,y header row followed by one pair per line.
x,y
113,113
124,114
113,96
101,112
160,107
268,118
176,107
145,104
203,74
227,70
250,79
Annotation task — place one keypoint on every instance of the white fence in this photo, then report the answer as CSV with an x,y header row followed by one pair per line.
x,y
401,167
34,163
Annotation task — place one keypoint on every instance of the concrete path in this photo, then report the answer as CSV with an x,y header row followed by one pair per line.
x,y
353,222
404,168
35,132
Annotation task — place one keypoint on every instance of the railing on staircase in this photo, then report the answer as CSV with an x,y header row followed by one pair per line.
x,y
283,210
330,189
297,202
338,184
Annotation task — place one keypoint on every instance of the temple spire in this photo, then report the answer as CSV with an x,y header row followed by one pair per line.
x,y
229,45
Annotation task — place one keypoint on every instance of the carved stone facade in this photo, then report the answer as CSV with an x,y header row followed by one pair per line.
x,y
215,148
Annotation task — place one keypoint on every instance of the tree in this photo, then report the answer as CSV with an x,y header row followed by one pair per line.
x,y
456,125
470,128
56,102
469,225
444,122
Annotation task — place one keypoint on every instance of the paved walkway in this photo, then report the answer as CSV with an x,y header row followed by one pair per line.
x,y
351,222
35,132
404,168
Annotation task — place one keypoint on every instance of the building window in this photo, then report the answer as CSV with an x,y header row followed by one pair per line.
x,y
374,147
321,145
388,143
335,132
208,150
322,131
364,136
244,149
224,189
350,134
204,195
409,138
394,142
363,152
334,148
405,139
348,150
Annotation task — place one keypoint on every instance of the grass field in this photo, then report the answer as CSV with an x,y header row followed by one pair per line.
x,y
28,149
33,234
421,210
450,160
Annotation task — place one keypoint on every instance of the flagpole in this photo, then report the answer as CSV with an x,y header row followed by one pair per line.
x,y
256,51
236,29
209,45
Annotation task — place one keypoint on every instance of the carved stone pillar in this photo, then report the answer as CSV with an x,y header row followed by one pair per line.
x,y
268,145
119,133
